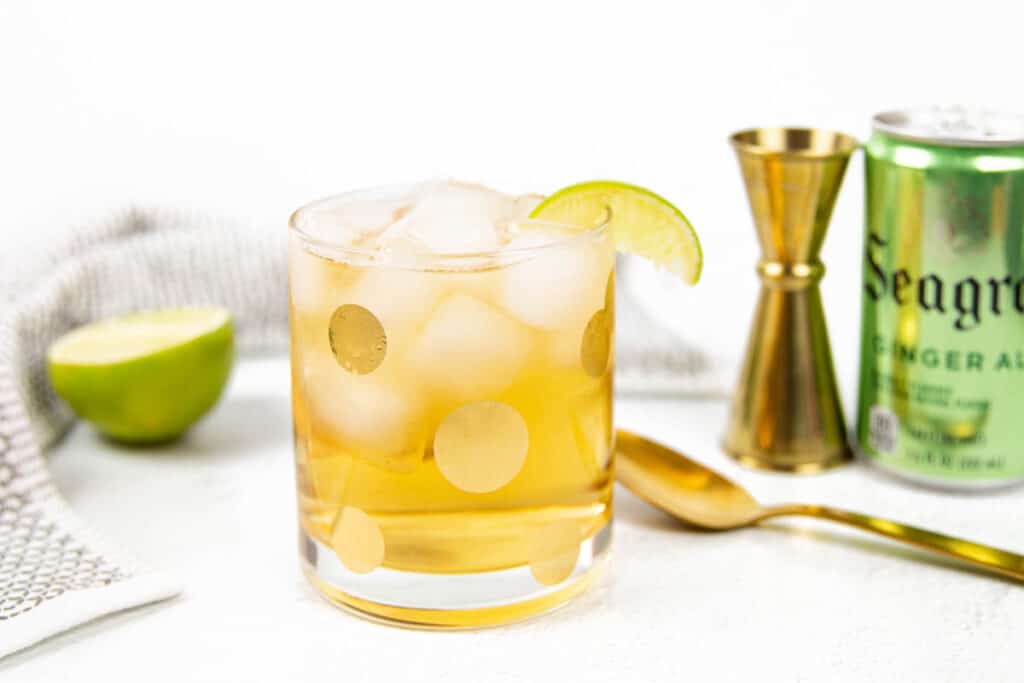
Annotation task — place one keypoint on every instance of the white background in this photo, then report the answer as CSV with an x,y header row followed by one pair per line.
x,y
250,109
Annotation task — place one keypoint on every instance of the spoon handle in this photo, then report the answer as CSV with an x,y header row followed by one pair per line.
x,y
985,557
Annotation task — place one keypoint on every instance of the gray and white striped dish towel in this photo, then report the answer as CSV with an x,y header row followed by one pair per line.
x,y
55,572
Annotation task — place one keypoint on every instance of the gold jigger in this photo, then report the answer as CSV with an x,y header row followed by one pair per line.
x,y
786,413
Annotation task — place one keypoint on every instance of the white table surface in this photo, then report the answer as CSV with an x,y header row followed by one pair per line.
x,y
794,600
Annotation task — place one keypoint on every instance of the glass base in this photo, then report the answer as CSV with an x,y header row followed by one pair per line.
x,y
448,601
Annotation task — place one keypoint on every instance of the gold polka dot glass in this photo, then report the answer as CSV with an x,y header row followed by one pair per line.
x,y
452,411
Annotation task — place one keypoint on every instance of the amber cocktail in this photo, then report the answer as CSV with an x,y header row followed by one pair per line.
x,y
452,392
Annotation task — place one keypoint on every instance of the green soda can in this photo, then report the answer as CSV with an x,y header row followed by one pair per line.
x,y
942,333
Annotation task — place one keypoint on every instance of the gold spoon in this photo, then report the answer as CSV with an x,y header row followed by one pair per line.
x,y
670,481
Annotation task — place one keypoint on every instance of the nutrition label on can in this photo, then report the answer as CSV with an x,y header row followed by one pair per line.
x,y
883,430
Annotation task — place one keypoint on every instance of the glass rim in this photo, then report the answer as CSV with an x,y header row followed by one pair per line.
x,y
475,260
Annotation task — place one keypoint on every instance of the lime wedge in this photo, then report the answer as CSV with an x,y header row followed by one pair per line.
x,y
145,377
642,222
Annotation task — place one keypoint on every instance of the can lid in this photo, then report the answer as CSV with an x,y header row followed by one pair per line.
x,y
956,126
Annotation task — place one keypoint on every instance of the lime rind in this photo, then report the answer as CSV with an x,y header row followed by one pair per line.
x,y
146,377
642,222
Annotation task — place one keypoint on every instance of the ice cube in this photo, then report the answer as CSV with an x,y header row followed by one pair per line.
x,y
313,280
363,415
400,298
524,204
346,221
469,349
455,218
558,286
367,215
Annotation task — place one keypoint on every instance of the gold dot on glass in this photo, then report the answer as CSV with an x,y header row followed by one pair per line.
x,y
554,550
357,338
481,446
596,345
609,292
357,540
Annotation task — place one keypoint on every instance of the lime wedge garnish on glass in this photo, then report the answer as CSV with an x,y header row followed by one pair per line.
x,y
642,222
145,377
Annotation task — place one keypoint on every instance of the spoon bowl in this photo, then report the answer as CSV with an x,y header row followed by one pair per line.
x,y
681,487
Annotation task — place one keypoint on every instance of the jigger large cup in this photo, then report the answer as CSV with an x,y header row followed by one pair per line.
x,y
786,413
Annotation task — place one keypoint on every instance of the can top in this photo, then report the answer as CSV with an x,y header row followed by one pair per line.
x,y
955,126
